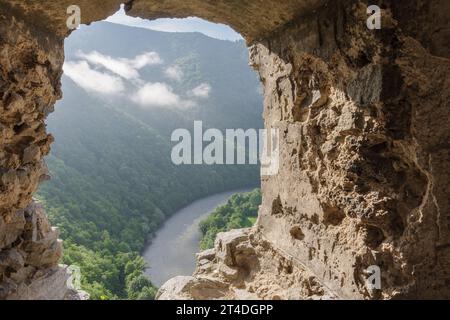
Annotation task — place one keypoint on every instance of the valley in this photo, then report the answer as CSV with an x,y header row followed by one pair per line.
x,y
172,252
113,183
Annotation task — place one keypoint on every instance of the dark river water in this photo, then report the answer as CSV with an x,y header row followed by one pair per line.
x,y
172,251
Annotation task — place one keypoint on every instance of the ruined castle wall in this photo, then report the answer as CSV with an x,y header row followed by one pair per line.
x,y
364,149
364,172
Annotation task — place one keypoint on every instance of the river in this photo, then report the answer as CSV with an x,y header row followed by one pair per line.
x,y
172,251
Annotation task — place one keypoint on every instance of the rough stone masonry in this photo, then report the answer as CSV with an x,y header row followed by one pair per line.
x,y
364,174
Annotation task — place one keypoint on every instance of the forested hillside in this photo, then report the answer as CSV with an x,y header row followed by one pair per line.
x,y
240,211
113,182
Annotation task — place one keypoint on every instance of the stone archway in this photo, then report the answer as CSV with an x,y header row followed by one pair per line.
x,y
364,162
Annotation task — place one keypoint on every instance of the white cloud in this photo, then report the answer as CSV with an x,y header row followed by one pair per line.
x,y
174,73
126,68
92,80
202,91
156,94
121,72
143,60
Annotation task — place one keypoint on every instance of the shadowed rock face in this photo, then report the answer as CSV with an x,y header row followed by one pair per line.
x,y
364,149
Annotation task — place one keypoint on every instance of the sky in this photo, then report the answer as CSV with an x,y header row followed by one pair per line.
x,y
192,24
120,77
108,76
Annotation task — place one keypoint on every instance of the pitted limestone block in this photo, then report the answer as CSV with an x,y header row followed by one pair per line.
x,y
45,175
22,274
31,154
365,89
37,225
46,284
7,178
204,266
11,227
7,288
229,273
188,288
40,240
226,243
209,255
351,121
45,252
11,259
175,289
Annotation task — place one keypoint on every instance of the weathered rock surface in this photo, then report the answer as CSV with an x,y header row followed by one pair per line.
x,y
29,266
245,266
49,284
364,149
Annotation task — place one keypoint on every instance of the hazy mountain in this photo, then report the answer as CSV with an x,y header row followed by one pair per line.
x,y
234,99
